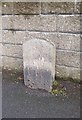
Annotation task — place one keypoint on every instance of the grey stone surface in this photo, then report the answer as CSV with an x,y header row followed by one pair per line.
x,y
50,36
27,8
68,72
0,22
7,22
21,8
68,41
35,22
0,8
65,41
12,63
81,60
57,7
68,58
7,36
7,7
78,7
62,40
0,49
12,50
19,22
68,23
39,64
18,37
13,37
48,22
0,35
29,22
43,7
65,23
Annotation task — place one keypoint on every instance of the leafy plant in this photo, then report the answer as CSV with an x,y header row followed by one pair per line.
x,y
57,89
55,83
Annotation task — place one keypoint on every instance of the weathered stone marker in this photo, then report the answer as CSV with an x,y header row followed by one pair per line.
x,y
39,64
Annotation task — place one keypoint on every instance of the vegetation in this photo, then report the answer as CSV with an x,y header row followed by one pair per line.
x,y
58,89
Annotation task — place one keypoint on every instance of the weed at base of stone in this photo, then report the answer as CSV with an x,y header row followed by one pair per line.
x,y
57,89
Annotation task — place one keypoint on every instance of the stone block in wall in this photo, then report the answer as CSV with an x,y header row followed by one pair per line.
x,y
0,49
7,22
21,8
81,23
14,22
32,22
0,35
57,7
19,22
81,43
81,7
14,37
0,22
68,72
7,8
7,36
78,7
35,22
12,50
68,41
81,60
68,23
26,7
12,63
29,22
0,8
68,58
47,23
65,23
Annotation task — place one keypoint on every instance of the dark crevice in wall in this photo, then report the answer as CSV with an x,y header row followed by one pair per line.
x,y
67,66
12,56
13,30
20,14
60,13
46,14
11,43
68,32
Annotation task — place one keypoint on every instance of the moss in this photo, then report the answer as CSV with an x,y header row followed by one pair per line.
x,y
55,83
57,89
58,92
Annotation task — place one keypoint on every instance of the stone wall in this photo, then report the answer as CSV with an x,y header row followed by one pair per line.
x,y
57,22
